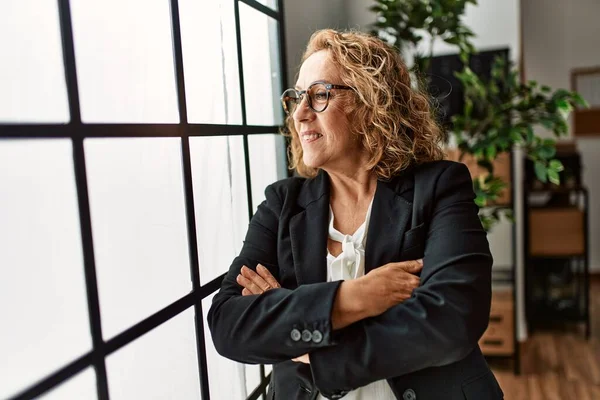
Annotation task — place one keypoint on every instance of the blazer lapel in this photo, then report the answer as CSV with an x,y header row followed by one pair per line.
x,y
308,231
390,215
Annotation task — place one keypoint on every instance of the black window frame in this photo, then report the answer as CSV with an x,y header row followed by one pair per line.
x,y
78,131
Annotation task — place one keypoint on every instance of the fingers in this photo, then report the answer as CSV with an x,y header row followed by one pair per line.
x,y
248,285
302,359
413,266
253,282
266,275
403,279
256,283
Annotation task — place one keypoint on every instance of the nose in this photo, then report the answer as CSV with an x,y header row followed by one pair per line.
x,y
302,112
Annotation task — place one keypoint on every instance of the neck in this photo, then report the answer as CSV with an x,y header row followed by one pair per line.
x,y
353,185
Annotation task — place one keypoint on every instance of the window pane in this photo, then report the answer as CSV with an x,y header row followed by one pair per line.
x,y
125,66
212,87
269,3
82,386
252,377
139,226
32,76
43,301
268,369
226,378
220,201
262,71
267,163
162,364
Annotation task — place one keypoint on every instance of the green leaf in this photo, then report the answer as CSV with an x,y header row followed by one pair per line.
x,y
546,152
580,101
553,176
563,104
556,165
515,135
547,122
491,152
541,172
560,94
530,135
480,201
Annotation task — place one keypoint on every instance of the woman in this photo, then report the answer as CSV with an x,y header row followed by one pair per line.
x,y
340,315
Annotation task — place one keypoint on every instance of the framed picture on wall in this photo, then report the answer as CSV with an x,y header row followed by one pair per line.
x,y
586,81
447,89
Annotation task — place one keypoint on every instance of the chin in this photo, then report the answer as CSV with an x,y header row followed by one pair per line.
x,y
311,162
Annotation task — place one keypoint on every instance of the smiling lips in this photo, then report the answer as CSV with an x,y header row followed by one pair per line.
x,y
310,136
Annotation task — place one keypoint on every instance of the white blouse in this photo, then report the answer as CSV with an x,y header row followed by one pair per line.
x,y
350,264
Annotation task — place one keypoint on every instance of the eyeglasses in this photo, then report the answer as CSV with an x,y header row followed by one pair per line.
x,y
318,96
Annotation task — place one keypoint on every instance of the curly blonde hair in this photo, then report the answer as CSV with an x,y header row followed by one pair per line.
x,y
392,119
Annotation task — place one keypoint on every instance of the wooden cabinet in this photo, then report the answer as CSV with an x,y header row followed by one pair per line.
x,y
499,338
556,231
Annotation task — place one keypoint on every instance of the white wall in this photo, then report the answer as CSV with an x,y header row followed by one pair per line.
x,y
496,24
302,18
556,40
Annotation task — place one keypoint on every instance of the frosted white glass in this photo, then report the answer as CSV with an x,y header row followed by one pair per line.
x,y
32,76
125,67
210,61
81,387
269,3
220,201
139,226
43,302
162,364
262,70
251,377
226,378
267,163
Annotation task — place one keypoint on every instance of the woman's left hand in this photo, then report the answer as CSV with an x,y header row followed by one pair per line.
x,y
259,282
256,282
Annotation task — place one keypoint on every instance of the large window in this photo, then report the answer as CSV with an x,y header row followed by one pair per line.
x,y
136,139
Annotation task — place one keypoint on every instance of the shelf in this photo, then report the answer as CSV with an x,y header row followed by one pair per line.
x,y
556,231
556,190
547,313
555,256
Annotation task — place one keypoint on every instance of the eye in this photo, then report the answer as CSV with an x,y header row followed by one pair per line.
x,y
321,96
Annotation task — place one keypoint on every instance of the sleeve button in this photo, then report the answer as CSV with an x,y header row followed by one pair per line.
x,y
409,394
306,336
317,336
295,335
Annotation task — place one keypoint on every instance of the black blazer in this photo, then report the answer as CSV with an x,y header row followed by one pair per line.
x,y
425,347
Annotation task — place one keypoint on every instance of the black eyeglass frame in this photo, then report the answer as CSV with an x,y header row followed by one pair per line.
x,y
301,93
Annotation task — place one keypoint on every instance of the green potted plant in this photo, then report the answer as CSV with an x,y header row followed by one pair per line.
x,y
499,113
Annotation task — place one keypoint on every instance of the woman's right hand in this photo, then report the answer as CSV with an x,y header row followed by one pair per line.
x,y
374,293
389,285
